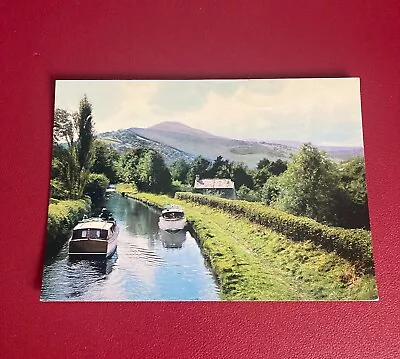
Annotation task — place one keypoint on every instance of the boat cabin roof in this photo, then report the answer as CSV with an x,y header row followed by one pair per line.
x,y
94,223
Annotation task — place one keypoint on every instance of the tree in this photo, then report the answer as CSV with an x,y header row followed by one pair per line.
x,y
220,168
351,198
62,127
73,138
247,194
153,174
146,169
309,185
96,186
179,170
105,160
271,190
84,144
240,176
265,169
198,167
128,163
278,167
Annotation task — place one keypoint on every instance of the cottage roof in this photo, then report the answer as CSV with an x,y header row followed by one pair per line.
x,y
214,183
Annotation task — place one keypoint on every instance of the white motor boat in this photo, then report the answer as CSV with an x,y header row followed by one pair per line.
x,y
94,237
172,219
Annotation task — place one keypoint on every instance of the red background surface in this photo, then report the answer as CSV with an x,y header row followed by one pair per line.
x,y
199,39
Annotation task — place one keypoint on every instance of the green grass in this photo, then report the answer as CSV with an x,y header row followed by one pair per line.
x,y
253,262
351,244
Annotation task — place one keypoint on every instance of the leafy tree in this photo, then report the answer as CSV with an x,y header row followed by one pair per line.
x,y
248,194
265,162
278,167
128,163
271,190
146,169
62,127
73,137
58,190
265,169
105,160
240,176
309,185
220,168
179,170
96,186
84,144
351,197
154,175
198,167
261,176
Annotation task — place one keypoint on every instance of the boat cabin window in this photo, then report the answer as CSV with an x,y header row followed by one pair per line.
x,y
94,233
173,215
89,233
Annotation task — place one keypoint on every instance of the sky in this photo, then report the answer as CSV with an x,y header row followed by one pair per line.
x,y
321,111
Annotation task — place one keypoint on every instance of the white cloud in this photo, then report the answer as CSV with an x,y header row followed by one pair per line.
x,y
324,111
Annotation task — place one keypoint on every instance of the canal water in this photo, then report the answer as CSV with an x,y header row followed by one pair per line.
x,y
148,264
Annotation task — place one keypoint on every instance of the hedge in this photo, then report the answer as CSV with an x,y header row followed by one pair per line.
x,y
62,217
352,244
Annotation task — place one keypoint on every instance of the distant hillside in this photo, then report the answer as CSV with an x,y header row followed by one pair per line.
x,y
176,140
177,127
122,140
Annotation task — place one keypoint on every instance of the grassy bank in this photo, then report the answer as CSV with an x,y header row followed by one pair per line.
x,y
352,244
253,262
62,217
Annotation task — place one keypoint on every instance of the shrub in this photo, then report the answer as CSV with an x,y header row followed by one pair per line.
x,y
248,194
178,186
62,217
58,190
352,244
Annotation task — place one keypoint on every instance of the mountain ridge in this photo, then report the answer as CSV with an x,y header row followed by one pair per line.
x,y
175,140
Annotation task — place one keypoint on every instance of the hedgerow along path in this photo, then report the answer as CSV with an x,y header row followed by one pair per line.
x,y
253,262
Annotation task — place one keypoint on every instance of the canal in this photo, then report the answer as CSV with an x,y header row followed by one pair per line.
x,y
148,265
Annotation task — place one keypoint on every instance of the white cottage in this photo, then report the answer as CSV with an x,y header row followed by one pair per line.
x,y
221,186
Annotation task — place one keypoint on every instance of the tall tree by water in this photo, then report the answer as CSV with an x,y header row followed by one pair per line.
x,y
73,138
84,143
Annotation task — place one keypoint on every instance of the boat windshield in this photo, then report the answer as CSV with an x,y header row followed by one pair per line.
x,y
89,233
173,215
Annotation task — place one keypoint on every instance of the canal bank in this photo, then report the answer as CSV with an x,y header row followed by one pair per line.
x,y
63,215
255,263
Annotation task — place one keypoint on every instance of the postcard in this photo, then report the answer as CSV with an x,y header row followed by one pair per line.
x,y
208,190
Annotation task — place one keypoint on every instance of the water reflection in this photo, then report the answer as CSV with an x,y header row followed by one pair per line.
x,y
149,264
172,239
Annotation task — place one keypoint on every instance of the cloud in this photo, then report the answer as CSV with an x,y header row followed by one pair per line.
x,y
323,111
174,97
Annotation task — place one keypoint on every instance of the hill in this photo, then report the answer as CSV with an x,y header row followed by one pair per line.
x,y
176,140
123,140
